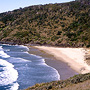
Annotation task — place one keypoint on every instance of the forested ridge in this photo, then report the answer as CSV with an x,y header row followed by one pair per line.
x,y
59,24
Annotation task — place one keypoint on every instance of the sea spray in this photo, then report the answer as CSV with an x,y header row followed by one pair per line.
x,y
8,74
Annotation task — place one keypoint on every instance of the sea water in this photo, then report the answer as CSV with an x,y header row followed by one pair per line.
x,y
19,69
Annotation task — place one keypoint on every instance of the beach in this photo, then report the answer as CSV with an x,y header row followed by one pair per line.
x,y
63,69
72,60
74,57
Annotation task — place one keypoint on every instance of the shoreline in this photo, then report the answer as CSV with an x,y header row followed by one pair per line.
x,y
75,67
74,57
63,69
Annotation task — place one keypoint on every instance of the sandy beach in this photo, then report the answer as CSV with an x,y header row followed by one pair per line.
x,y
63,69
73,57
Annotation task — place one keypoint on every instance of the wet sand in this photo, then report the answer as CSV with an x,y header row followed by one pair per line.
x,y
63,69
74,57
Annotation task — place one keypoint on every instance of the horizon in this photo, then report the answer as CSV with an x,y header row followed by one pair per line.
x,y
12,5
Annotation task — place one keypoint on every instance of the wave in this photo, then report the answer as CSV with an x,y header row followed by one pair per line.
x,y
9,44
8,74
19,55
35,55
55,75
3,54
7,50
15,86
42,62
24,47
18,60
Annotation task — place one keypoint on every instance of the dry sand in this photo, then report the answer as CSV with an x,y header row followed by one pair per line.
x,y
74,57
63,69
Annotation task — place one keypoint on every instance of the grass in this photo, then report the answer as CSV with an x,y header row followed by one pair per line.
x,y
77,82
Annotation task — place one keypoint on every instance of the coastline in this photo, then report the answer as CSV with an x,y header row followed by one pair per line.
x,y
56,57
74,57
63,69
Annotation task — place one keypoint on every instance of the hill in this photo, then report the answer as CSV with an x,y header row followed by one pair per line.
x,y
64,24
78,82
60,24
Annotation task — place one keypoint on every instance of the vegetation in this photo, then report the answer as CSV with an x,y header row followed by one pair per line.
x,y
77,82
65,24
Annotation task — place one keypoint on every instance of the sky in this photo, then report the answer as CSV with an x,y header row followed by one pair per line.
x,y
9,5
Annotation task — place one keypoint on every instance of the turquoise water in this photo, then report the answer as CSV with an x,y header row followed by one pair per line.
x,y
19,69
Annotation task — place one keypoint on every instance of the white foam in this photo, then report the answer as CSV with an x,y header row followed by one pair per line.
x,y
22,60
24,47
7,50
3,54
36,56
56,74
9,74
15,86
1,48
10,44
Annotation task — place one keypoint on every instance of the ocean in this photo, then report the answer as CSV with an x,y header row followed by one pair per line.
x,y
20,70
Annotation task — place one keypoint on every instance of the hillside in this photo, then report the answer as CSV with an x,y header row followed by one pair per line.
x,y
64,24
78,82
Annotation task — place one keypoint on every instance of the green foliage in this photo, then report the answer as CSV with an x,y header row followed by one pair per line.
x,y
7,18
21,34
67,21
53,38
59,85
59,32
